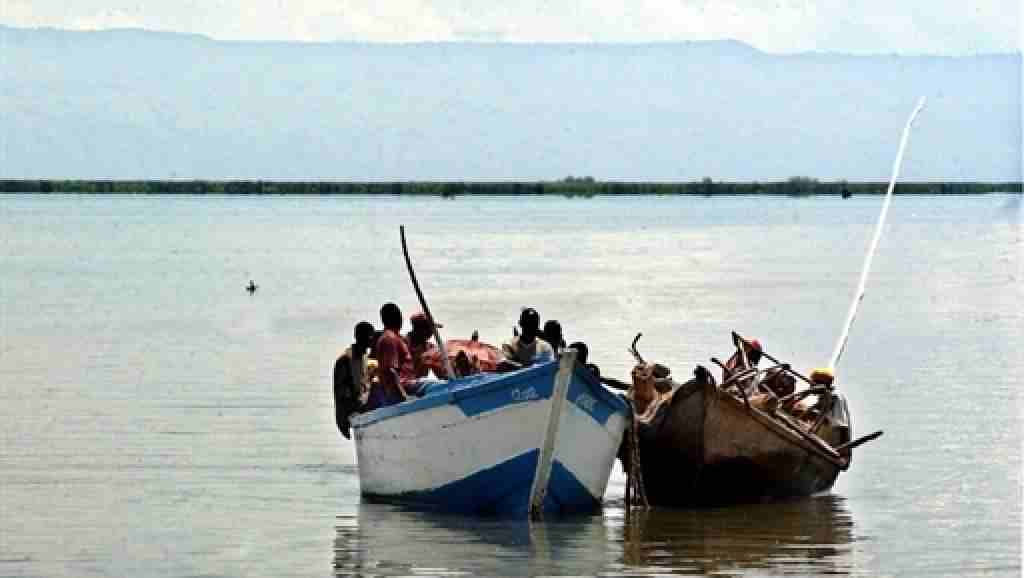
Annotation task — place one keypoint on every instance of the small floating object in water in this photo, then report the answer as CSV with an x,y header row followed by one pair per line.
x,y
251,287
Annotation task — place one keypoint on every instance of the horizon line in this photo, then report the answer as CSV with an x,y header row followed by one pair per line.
x,y
504,42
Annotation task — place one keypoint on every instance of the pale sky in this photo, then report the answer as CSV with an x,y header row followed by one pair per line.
x,y
852,26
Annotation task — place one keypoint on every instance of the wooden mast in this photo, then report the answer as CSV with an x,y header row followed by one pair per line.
x,y
423,305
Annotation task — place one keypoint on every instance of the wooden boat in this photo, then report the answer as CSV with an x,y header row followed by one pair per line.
x,y
701,443
541,439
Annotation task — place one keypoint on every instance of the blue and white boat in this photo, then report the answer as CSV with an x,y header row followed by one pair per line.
x,y
538,440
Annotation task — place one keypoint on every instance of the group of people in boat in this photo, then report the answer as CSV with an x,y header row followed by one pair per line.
x,y
383,367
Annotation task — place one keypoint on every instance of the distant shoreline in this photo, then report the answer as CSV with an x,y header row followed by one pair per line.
x,y
570,187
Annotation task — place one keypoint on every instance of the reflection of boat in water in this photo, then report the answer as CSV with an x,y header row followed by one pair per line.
x,y
808,536
805,536
752,437
389,540
542,438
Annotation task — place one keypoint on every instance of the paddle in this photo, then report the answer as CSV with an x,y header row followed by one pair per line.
x,y
423,305
859,441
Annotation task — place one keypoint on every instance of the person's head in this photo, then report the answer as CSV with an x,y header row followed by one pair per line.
x,y
373,342
391,316
553,333
463,365
754,351
421,327
364,334
529,322
582,352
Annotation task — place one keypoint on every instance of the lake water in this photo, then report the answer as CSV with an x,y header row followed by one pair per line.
x,y
159,421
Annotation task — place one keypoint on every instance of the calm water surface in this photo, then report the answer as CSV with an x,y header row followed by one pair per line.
x,y
159,421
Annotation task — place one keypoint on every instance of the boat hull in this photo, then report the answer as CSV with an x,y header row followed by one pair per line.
x,y
707,448
545,437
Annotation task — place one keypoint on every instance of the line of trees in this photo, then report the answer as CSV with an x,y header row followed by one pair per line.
x,y
571,187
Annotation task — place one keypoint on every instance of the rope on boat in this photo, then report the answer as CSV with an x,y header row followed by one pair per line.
x,y
636,495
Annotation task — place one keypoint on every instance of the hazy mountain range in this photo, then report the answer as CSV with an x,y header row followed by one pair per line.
x,y
138,104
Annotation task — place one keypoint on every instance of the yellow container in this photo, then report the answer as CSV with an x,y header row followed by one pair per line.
x,y
823,376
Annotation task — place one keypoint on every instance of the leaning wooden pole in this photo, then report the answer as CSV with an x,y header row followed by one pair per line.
x,y
423,305
859,295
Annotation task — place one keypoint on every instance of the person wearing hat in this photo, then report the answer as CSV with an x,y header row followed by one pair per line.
x,y
418,339
351,377
735,364
528,347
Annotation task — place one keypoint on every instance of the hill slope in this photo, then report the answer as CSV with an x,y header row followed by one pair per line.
x,y
137,104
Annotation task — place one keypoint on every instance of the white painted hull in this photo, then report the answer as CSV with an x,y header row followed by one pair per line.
x,y
496,446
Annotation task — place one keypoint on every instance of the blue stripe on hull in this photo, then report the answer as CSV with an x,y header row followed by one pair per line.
x,y
591,397
502,490
473,395
566,494
527,385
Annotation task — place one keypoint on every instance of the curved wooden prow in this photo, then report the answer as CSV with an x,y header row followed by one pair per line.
x,y
633,349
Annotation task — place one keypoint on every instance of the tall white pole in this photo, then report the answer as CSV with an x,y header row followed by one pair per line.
x,y
859,295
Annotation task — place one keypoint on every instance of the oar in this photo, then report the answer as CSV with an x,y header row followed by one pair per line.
x,y
859,441
423,304
859,295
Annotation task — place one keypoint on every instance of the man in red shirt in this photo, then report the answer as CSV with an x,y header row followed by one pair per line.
x,y
395,369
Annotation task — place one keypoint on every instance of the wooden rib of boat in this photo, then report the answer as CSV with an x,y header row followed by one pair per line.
x,y
536,440
702,443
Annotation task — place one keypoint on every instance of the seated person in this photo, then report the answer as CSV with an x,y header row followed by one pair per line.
x,y
418,340
395,373
779,382
552,333
465,364
736,364
351,377
583,355
582,352
527,348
